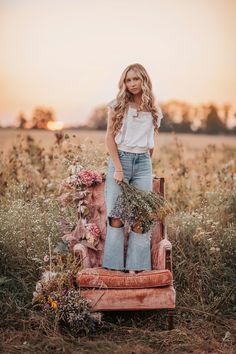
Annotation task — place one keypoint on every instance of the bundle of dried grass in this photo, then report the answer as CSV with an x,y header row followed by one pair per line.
x,y
138,207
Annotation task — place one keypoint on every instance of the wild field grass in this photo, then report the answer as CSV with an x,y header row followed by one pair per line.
x,y
200,184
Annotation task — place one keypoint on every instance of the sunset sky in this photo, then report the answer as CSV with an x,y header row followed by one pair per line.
x,y
69,54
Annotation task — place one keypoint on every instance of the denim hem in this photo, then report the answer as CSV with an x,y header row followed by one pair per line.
x,y
139,268
112,268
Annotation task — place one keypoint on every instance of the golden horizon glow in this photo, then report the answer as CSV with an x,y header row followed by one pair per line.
x,y
51,125
69,55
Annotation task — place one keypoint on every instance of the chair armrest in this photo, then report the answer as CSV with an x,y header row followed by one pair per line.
x,y
164,254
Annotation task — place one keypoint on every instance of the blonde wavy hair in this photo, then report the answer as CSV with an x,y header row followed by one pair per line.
x,y
148,102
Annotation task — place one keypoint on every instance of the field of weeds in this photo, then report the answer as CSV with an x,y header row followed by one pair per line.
x,y
200,182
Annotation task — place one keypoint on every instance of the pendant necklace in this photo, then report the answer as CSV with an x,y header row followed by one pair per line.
x,y
135,115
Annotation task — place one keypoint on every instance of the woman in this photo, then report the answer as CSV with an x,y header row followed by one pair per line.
x,y
132,121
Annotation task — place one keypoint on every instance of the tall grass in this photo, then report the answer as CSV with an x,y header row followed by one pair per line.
x,y
202,229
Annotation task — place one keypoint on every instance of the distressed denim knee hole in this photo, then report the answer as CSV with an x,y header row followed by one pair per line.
x,y
117,227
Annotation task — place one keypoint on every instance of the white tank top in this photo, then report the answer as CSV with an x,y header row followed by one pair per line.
x,y
137,133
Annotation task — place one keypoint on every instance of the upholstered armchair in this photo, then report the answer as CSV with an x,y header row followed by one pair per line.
x,y
111,290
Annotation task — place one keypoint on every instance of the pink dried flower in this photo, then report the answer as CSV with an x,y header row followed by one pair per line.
x,y
93,229
91,234
89,178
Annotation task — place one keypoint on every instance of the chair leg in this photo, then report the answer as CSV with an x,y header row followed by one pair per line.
x,y
170,317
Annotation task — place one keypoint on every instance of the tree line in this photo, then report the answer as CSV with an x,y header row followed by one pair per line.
x,y
183,117
180,117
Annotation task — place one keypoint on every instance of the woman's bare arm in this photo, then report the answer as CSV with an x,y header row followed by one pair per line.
x,y
112,148
155,142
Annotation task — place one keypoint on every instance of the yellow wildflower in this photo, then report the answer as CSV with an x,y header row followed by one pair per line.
x,y
54,305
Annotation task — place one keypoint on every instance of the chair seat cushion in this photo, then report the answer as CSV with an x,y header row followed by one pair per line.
x,y
114,279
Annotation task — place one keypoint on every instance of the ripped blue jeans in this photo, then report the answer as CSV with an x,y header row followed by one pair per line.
x,y
137,168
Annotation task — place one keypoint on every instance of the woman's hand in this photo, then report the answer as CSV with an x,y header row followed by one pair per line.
x,y
151,152
118,176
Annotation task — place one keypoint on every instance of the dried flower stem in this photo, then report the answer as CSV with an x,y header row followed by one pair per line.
x,y
50,256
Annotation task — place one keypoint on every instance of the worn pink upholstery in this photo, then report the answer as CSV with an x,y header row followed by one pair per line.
x,y
131,299
103,279
116,290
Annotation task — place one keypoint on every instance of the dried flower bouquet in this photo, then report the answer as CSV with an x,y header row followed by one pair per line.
x,y
138,207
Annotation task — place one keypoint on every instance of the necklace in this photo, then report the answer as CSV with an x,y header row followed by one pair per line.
x,y
138,109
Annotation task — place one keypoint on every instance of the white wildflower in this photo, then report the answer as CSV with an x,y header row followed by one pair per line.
x,y
47,275
46,258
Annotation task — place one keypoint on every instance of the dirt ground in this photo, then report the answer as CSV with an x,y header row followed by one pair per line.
x,y
128,333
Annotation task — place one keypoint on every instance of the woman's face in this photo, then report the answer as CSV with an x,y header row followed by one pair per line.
x,y
133,82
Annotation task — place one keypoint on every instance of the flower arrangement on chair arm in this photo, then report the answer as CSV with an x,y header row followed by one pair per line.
x,y
56,293
77,188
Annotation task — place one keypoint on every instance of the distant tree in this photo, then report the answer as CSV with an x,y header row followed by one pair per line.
x,y
98,118
41,116
182,127
22,121
213,123
166,122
